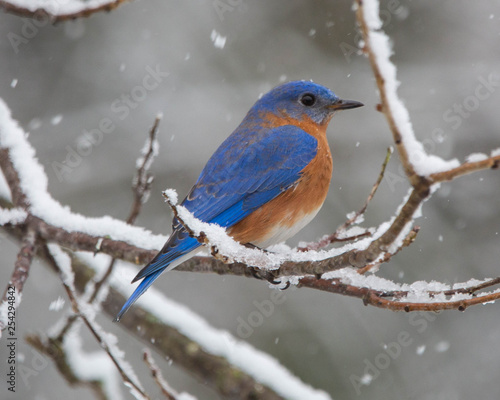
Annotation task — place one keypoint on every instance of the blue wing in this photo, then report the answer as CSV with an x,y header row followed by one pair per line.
x,y
250,168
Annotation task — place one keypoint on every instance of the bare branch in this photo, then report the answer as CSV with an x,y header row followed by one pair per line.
x,y
142,181
492,162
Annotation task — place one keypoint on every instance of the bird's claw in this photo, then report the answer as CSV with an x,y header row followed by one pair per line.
x,y
269,276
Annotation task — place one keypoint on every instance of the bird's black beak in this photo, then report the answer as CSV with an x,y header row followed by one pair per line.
x,y
346,104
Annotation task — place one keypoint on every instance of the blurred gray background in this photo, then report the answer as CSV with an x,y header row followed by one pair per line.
x,y
62,81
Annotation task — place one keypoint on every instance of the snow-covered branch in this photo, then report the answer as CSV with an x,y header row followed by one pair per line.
x,y
416,162
58,10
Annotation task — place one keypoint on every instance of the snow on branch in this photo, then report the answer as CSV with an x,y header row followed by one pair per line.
x,y
418,296
414,158
12,216
416,162
31,191
58,10
223,247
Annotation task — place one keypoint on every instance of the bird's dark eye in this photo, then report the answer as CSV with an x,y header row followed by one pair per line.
x,y
308,99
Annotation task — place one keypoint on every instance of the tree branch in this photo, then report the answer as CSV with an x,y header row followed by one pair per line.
x,y
167,391
9,172
393,300
57,11
20,273
492,162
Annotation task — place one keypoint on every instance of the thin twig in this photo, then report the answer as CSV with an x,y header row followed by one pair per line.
x,y
408,240
157,376
141,184
201,237
351,238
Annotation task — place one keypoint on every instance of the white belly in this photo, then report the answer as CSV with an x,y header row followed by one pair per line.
x,y
283,232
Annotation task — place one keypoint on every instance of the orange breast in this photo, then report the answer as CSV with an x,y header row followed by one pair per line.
x,y
283,216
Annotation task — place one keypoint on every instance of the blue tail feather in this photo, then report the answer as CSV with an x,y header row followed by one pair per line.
x,y
175,248
143,286
172,250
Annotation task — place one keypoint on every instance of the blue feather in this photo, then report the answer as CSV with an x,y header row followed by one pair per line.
x,y
143,286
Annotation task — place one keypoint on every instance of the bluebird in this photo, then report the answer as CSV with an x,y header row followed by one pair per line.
x,y
265,182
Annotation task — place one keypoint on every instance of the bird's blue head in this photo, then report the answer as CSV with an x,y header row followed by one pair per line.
x,y
299,98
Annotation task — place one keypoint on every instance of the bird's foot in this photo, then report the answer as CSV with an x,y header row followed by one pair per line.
x,y
219,256
269,276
